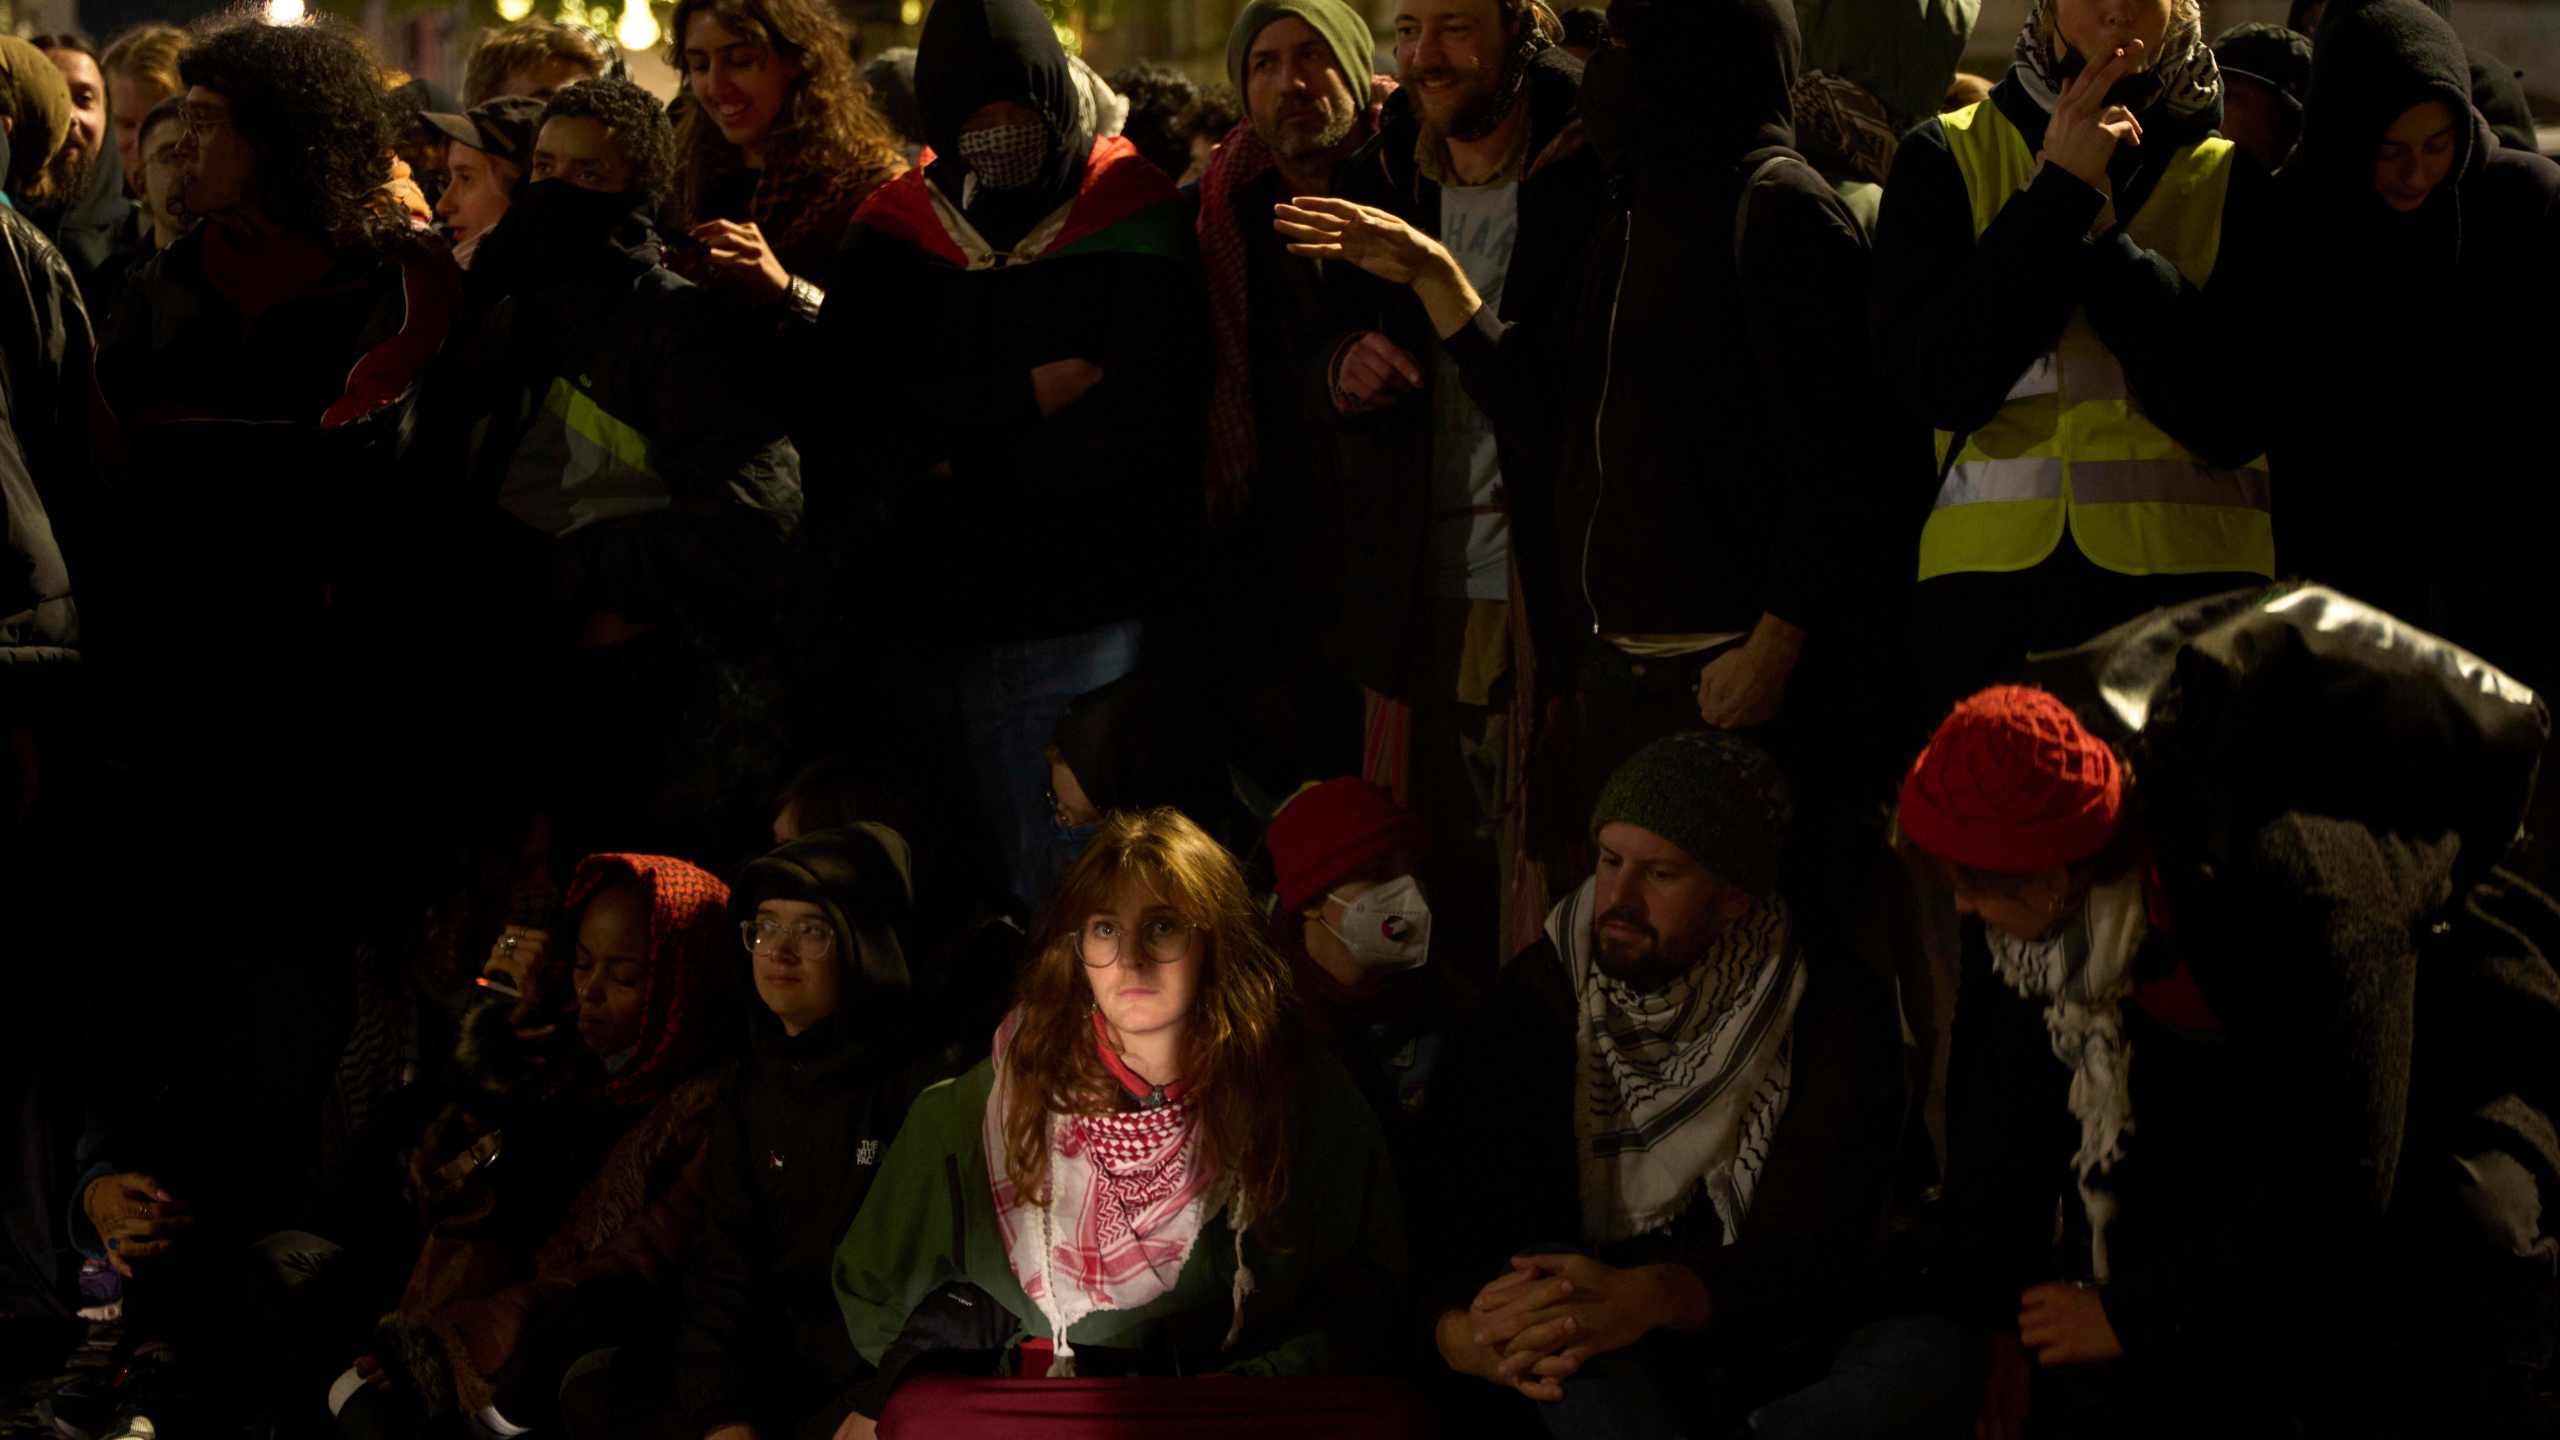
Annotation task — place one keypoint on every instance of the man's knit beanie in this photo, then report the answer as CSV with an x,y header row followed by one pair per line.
x,y
1354,46
2014,783
1332,832
1718,797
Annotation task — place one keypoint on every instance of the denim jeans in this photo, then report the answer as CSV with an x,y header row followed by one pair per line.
x,y
1012,696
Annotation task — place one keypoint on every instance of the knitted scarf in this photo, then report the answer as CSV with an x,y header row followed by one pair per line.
x,y
1128,1197
2084,971
1241,160
689,965
2189,81
1682,1089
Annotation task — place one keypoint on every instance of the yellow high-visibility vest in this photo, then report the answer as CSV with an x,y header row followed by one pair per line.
x,y
2071,448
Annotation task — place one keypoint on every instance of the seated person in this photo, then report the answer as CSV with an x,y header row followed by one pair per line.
x,y
1150,1173
1355,927
762,1348
486,155
562,1192
1673,1131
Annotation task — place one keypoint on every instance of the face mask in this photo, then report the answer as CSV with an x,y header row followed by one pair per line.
x,y
1620,114
1006,157
1389,928
552,230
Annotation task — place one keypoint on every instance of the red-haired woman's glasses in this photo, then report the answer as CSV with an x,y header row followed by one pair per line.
x,y
1105,942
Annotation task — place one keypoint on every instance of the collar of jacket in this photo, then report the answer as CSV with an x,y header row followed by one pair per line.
x,y
1555,123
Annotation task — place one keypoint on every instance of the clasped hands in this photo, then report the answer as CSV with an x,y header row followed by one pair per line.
x,y
1533,1328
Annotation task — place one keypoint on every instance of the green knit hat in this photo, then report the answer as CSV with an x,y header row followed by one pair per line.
x,y
1354,47
1715,795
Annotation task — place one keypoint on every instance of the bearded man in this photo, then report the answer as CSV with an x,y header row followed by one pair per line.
x,y
1669,1169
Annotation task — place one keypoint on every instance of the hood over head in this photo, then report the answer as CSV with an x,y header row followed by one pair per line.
x,y
976,53
862,876
1691,84
2369,64
34,92
2182,85
684,1005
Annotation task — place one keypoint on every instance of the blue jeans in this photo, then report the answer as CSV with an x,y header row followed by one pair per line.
x,y
1012,696
1908,1378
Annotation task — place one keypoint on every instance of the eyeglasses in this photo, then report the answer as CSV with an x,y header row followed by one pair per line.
x,y
808,939
202,121
1103,943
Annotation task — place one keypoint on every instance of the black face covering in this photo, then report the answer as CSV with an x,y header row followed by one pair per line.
x,y
1620,115
555,231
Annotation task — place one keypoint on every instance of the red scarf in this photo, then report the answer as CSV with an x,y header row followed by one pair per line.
x,y
1241,160
1123,204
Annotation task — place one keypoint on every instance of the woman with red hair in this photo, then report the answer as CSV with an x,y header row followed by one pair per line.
x,y
1150,1174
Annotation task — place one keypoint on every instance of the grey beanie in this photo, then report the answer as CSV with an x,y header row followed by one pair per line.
x,y
1715,795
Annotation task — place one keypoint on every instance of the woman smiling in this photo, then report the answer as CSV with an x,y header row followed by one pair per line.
x,y
1149,1173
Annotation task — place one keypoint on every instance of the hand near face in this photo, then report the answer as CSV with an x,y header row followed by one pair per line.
x,y
2067,1325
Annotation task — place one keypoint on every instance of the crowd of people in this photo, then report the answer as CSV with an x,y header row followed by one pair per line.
x,y
1650,722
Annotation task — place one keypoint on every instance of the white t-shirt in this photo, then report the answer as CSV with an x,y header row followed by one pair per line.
x,y
1470,549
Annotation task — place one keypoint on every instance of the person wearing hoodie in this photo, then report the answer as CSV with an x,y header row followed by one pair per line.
x,y
1029,433
761,1348
2492,84
2399,171
95,212
2057,272
2249,1126
563,1197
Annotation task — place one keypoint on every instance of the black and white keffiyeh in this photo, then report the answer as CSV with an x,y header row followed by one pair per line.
x,y
2083,971
2189,81
1681,1090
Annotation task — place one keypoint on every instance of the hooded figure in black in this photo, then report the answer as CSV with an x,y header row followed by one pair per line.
x,y
1017,392
2495,92
793,1152
2398,322
1965,324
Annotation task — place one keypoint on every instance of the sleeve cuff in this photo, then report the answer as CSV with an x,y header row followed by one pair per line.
x,y
2065,196
84,1235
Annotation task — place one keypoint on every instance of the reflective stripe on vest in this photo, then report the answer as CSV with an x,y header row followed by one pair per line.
x,y
578,464
2070,451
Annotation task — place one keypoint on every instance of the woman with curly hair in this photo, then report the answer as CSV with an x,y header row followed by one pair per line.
x,y
262,310
778,148
1151,1175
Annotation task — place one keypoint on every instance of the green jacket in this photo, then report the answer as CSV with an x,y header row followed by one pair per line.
x,y
1328,1269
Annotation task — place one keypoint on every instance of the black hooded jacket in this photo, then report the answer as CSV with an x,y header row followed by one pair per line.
x,y
1741,463
1385,508
794,1151
2393,380
89,229
1013,526
1959,319
47,470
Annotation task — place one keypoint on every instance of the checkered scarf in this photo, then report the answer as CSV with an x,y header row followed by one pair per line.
x,y
1128,1197
1241,160
2190,82
689,940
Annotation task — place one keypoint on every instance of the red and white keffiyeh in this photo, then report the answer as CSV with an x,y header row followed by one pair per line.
x,y
1128,1197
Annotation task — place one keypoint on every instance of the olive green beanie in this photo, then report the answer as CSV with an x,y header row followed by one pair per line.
x,y
1715,795
1354,46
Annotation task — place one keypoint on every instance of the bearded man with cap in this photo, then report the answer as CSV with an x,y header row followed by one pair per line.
x,y
2199,1175
1671,1135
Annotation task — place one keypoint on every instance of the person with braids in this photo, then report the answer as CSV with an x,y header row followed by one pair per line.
x,y
778,149
1152,1175
263,310
562,1197
2058,273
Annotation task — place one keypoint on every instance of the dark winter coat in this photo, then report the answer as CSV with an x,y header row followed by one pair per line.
x,y
90,229
1383,514
1803,1266
47,470
2387,387
793,1153
1741,463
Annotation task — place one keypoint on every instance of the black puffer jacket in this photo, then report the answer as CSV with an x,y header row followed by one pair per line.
x,y
46,465
794,1151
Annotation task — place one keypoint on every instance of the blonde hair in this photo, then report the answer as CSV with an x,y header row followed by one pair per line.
x,y
148,52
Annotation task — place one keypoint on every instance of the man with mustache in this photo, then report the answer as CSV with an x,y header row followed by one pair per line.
x,y
1482,150
1667,1180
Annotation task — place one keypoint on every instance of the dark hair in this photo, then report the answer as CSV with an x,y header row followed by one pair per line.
x,y
67,40
1157,99
827,123
501,53
632,118
1214,112
308,99
173,107
1585,26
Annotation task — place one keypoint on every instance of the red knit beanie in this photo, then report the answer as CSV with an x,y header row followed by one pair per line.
x,y
2013,782
1328,833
